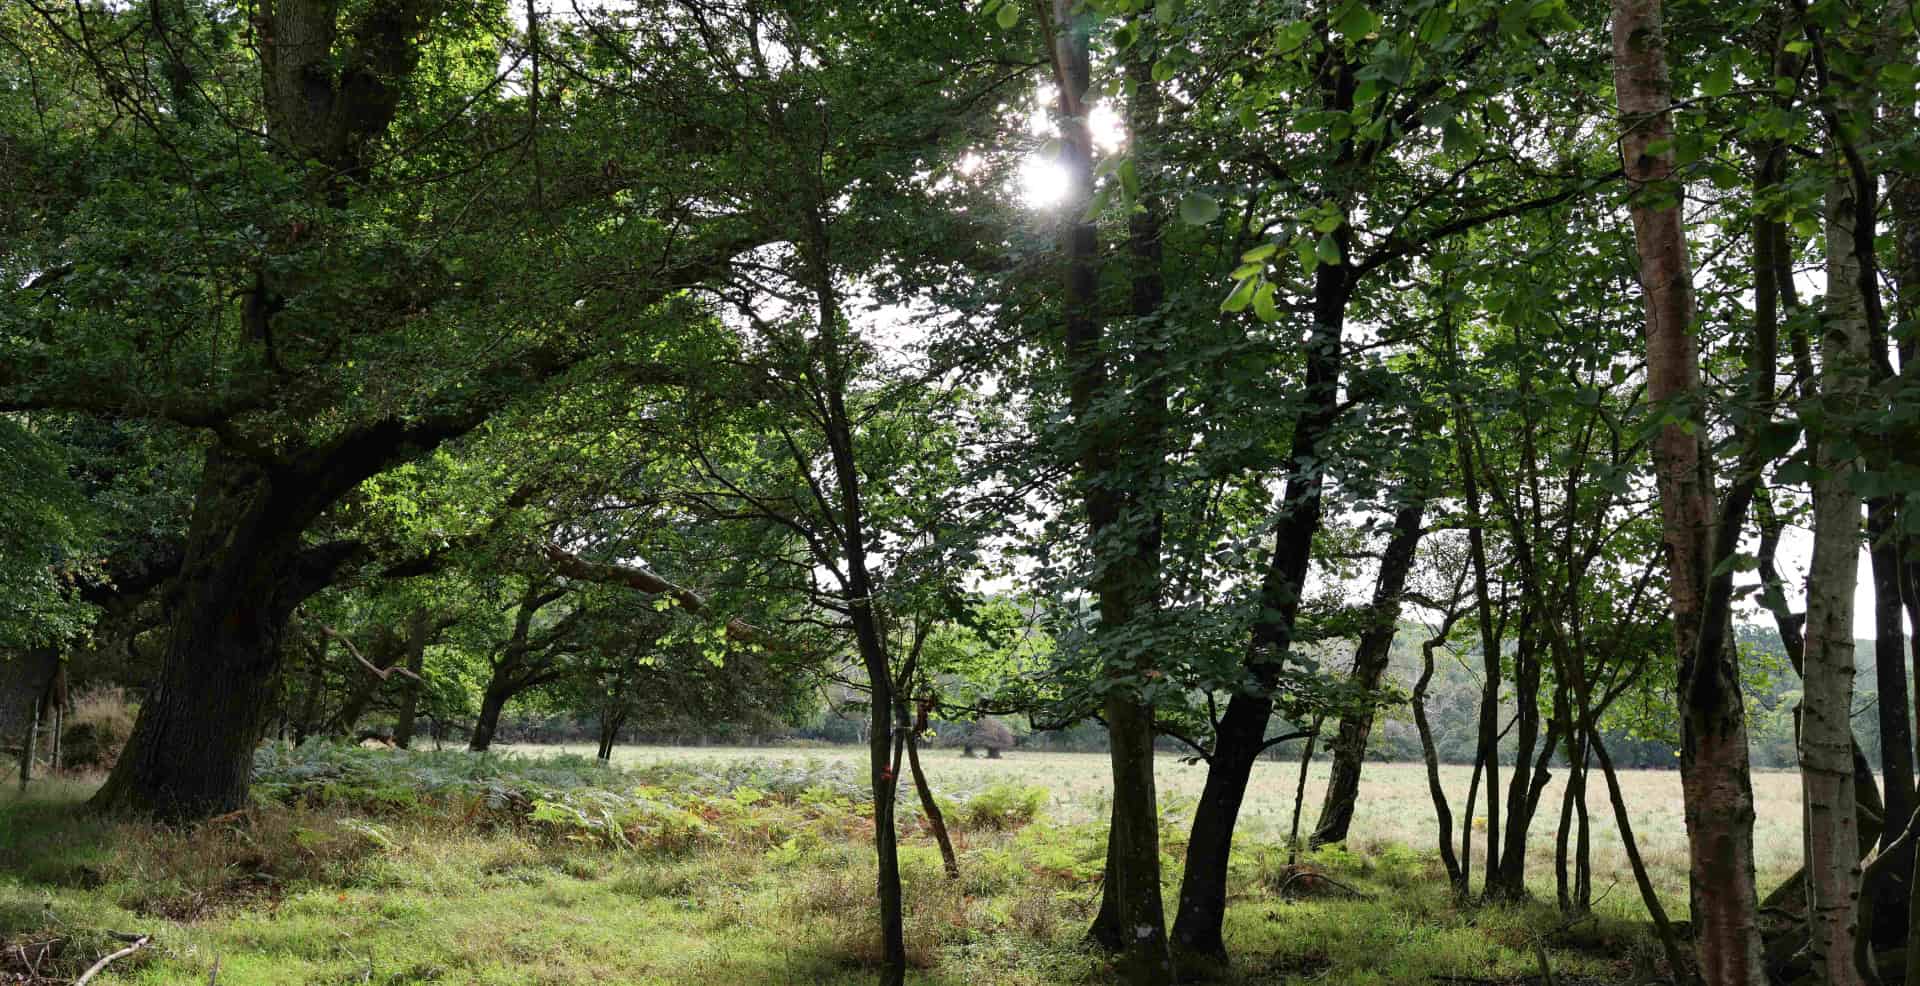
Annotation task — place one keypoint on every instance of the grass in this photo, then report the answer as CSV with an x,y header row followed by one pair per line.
x,y
1394,808
441,870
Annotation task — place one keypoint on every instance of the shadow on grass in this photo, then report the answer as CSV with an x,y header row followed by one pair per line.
x,y
48,837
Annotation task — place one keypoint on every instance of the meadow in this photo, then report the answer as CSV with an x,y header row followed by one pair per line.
x,y
725,865
1395,808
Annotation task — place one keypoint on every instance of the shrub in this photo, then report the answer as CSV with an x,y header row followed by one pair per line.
x,y
98,729
1002,805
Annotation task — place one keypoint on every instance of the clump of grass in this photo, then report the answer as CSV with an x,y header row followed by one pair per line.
x,y
999,806
96,730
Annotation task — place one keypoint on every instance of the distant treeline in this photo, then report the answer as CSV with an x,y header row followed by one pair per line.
x,y
1639,736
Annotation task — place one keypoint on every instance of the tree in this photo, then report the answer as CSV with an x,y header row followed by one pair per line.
x,y
1714,772
295,282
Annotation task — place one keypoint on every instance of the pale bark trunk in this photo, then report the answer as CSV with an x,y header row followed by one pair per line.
x,y
1826,762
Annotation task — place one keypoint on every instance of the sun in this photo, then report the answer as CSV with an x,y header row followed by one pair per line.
x,y
1042,182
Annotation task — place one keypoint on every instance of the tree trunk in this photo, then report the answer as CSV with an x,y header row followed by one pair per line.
x,y
1892,893
191,751
1242,731
1715,781
487,723
1522,790
406,717
1456,875
1663,928
27,746
308,721
1241,735
1833,838
936,820
1300,793
1121,465
1487,752
1370,659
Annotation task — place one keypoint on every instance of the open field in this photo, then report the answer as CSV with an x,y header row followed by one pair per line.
x,y
755,866
1394,806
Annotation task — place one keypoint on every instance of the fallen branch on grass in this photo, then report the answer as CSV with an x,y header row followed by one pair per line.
x,y
139,942
1323,878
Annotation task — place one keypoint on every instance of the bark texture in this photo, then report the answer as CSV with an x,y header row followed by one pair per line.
x,y
1826,735
1715,777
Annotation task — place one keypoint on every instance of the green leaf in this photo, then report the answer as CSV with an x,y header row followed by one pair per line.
x,y
1198,208
1163,70
1436,25
1098,205
1259,253
1240,297
1008,15
1303,249
1355,21
1246,271
1328,250
1129,180
1263,306
1719,81
1166,10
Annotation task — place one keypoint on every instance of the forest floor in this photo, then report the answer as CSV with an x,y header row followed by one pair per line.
x,y
727,866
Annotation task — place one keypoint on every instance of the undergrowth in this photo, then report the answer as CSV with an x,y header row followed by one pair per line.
x,y
376,866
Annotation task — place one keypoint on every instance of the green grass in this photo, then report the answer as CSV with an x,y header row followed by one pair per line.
x,y
353,880
1394,808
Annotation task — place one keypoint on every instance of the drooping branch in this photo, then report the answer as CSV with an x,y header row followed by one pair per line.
x,y
644,580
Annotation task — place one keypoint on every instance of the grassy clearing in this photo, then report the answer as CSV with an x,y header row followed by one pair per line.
x,y
1394,807
712,867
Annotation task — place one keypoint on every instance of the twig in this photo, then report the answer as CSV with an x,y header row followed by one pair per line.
x,y
1299,874
138,944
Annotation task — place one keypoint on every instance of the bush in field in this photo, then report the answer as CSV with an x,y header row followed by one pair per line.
x,y
1000,806
102,720
989,734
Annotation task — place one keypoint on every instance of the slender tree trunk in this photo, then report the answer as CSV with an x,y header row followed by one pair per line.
x,y
1715,780
1242,731
936,820
1487,753
1370,659
1132,918
1833,837
1648,896
1904,198
1241,735
406,718
1892,891
1456,874
1523,788
27,745
308,722
1300,792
